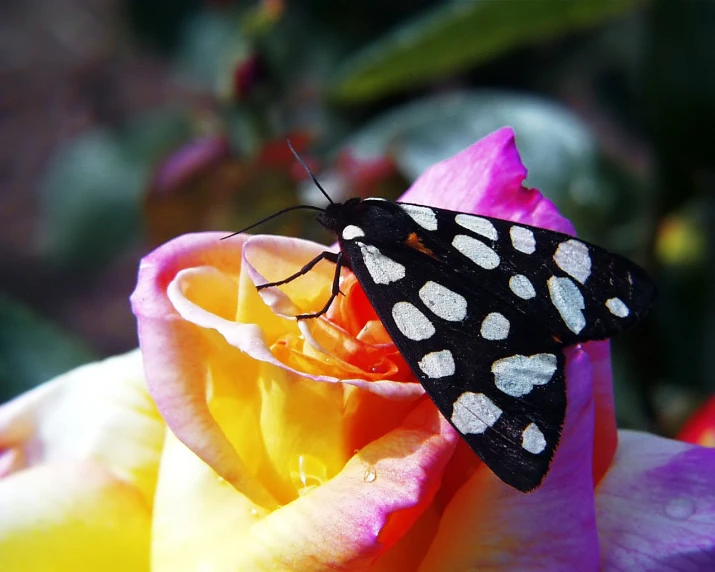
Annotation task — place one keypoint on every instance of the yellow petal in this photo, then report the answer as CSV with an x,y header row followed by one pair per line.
x,y
198,516
100,411
202,523
72,516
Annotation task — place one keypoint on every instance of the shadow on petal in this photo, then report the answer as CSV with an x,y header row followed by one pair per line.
x,y
656,506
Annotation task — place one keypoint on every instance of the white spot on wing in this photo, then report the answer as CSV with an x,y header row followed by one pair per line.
x,y
437,364
517,375
423,216
617,307
477,224
382,269
573,258
443,302
568,300
522,287
474,412
495,327
476,251
411,322
522,239
532,439
351,232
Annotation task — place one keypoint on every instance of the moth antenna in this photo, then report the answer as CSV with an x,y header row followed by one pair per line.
x,y
312,176
274,215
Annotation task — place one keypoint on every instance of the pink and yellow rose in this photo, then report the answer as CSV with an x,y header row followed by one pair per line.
x,y
309,446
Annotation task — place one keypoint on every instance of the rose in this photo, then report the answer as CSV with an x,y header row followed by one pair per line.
x,y
78,462
309,446
281,361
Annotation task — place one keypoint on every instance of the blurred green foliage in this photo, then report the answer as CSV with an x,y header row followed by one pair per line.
x,y
457,35
612,102
33,349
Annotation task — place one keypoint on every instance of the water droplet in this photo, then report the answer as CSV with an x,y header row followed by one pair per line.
x,y
370,475
307,472
220,479
680,509
254,512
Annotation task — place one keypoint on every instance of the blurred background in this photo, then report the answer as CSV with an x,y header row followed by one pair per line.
x,y
124,123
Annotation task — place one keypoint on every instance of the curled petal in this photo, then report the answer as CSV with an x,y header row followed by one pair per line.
x,y
489,525
656,506
204,330
487,178
308,293
176,352
343,524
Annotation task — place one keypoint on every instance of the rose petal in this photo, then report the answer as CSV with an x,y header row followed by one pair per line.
x,y
176,352
605,429
489,525
99,411
342,525
656,506
72,516
486,178
298,252
198,516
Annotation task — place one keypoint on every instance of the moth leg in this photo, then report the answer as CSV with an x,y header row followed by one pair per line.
x,y
339,263
329,256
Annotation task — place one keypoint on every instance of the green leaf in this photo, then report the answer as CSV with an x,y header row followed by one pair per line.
x,y
561,154
149,137
90,201
211,46
458,35
33,350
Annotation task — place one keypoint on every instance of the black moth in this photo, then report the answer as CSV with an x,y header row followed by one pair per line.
x,y
481,309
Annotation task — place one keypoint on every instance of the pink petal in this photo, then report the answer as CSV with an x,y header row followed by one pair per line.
x,y
486,179
356,516
489,525
656,506
175,352
342,524
181,348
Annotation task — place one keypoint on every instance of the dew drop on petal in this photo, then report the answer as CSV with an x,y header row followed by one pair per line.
x,y
680,509
370,475
307,472
254,512
220,479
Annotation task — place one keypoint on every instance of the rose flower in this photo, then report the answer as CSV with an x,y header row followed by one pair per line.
x,y
310,446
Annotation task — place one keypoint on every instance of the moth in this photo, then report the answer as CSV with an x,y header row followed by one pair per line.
x,y
482,309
